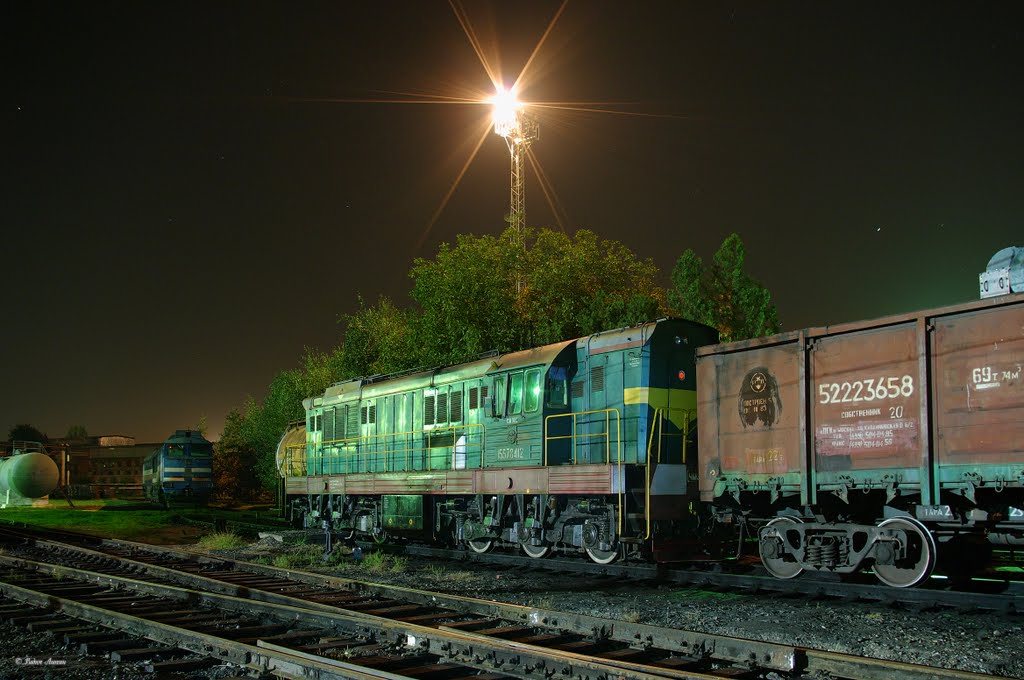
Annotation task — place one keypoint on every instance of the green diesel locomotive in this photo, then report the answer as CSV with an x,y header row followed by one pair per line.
x,y
580,446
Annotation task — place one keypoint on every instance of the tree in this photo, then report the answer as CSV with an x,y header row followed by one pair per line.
x,y
568,286
233,461
77,432
23,432
202,426
378,339
578,285
723,295
251,434
467,298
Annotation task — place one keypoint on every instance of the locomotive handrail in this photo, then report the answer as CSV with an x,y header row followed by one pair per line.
x,y
360,448
576,415
658,427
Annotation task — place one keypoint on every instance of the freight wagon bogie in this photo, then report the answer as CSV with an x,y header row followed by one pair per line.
x,y
881,444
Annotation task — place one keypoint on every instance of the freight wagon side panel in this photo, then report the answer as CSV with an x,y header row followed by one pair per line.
x,y
979,397
750,412
866,411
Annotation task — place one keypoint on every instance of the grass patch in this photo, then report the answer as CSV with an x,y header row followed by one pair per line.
x,y
221,540
382,563
282,562
87,517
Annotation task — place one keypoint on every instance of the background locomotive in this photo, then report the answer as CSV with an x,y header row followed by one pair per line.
x,y
871,443
181,470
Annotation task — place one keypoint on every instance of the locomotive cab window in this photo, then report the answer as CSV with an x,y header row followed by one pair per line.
x,y
556,389
515,394
531,397
175,451
499,397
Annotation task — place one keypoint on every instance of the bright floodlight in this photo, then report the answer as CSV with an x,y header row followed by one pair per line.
x,y
506,111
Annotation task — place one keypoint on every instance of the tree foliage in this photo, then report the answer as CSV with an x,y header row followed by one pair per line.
x,y
77,432
23,432
499,293
251,434
379,339
722,295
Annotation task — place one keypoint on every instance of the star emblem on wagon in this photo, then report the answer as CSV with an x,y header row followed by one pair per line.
x,y
758,382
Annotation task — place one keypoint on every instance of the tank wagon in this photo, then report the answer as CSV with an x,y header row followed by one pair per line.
x,y
26,475
584,446
885,443
181,470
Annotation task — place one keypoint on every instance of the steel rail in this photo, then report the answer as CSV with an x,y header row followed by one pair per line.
x,y
763,655
484,653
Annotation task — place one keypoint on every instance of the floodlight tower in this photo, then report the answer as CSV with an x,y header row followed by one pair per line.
x,y
519,131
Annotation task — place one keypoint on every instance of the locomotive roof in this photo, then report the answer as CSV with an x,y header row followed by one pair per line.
x,y
186,437
357,389
530,357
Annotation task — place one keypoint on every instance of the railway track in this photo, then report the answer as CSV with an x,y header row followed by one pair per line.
x,y
987,592
486,636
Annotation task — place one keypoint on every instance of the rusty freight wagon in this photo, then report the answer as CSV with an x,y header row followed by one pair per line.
x,y
886,443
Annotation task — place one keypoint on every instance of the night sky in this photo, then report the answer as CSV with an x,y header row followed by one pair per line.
x,y
193,192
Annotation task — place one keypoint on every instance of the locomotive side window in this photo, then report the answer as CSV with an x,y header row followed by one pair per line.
x,y
499,396
515,394
556,387
532,394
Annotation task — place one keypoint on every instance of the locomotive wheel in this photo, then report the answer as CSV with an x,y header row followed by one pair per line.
x,y
920,559
602,556
537,552
481,545
773,559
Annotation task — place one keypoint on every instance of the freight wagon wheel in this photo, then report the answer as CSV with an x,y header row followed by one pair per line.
x,y
920,559
537,552
777,561
602,556
481,545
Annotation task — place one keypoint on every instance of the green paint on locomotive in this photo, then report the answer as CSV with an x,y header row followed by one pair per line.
x,y
598,399
403,512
